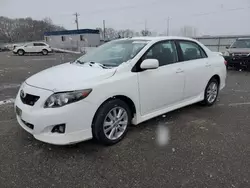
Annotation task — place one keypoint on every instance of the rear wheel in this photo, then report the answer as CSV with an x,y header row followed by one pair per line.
x,y
20,52
45,52
111,122
211,92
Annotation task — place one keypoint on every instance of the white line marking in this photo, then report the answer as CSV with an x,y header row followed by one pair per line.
x,y
239,104
9,86
7,121
241,91
44,59
220,104
7,101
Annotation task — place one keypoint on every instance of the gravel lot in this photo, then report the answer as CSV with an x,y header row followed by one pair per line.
x,y
208,147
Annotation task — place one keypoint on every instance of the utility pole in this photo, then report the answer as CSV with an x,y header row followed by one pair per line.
x,y
104,30
168,26
77,25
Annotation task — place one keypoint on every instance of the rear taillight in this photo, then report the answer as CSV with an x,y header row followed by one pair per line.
x,y
225,62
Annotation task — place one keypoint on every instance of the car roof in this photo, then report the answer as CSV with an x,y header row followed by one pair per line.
x,y
155,39
243,38
33,43
39,42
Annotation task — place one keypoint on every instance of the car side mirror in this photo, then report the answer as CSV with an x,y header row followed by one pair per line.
x,y
227,47
149,64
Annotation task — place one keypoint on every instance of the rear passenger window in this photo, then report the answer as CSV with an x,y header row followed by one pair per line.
x,y
191,51
39,44
165,52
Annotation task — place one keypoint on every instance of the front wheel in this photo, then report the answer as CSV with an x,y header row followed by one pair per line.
x,y
211,92
111,122
45,52
20,52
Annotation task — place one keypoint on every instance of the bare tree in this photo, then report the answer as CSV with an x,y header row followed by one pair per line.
x,y
146,33
110,33
126,33
20,30
7,29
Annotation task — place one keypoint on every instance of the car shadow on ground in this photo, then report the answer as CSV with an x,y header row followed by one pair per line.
x,y
38,54
92,146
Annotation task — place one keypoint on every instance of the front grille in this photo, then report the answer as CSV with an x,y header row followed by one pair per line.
x,y
240,55
29,125
29,99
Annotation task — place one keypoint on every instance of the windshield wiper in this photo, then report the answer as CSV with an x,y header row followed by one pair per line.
x,y
78,61
101,65
93,63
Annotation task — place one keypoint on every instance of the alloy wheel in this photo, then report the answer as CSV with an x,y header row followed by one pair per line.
x,y
212,92
115,123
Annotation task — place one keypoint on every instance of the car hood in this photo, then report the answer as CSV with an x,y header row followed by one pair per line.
x,y
18,47
69,76
239,50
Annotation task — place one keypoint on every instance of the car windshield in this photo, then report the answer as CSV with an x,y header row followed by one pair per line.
x,y
241,44
114,53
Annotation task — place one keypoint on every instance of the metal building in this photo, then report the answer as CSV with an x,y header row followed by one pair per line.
x,y
219,43
73,39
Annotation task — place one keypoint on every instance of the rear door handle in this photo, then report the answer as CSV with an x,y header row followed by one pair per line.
x,y
208,65
179,71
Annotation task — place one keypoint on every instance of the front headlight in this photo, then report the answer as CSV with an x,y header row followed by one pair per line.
x,y
64,98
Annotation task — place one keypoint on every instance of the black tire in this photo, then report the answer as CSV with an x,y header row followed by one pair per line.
x,y
45,52
98,127
206,100
20,52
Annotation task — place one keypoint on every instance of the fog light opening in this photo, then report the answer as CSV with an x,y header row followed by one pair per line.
x,y
59,129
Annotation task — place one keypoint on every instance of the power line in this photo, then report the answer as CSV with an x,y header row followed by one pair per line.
x,y
190,15
215,12
196,15
124,7
168,18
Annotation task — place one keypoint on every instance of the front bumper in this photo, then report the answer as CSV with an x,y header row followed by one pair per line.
x,y
77,117
236,61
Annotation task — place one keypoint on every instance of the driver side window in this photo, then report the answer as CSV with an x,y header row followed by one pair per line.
x,y
165,52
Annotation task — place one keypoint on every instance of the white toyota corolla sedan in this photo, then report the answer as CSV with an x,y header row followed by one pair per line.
x,y
122,82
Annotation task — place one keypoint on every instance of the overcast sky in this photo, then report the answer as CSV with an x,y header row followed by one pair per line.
x,y
214,17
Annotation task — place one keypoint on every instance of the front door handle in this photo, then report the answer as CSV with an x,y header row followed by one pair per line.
x,y
179,71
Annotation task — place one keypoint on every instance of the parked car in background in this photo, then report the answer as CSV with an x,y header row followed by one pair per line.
x,y
238,54
122,82
3,48
33,47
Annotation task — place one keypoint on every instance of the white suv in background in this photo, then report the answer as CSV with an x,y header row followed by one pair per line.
x,y
122,82
33,47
